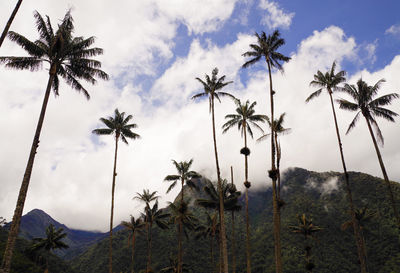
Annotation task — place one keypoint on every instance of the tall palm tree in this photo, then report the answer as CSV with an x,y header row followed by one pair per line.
x,y
8,25
69,58
267,47
279,129
371,107
153,215
147,197
244,119
233,189
330,81
184,175
52,241
209,230
121,129
211,90
185,220
307,229
134,226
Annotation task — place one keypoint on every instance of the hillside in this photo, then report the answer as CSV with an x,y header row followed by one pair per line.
x,y
319,195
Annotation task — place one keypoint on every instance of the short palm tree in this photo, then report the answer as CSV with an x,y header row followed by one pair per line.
x,y
147,197
119,126
330,81
244,119
371,107
134,226
8,25
307,229
211,90
266,48
52,241
153,215
185,220
68,57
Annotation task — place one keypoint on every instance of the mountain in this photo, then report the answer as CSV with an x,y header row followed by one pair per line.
x,y
320,196
35,222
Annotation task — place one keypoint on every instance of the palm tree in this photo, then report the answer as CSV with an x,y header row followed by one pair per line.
x,y
153,215
185,220
147,197
209,230
307,229
363,95
184,175
134,226
244,118
233,189
8,25
52,241
279,130
119,127
211,87
267,47
68,57
330,81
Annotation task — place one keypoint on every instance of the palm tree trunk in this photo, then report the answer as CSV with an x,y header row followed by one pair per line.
x,y
385,176
247,185
180,247
356,227
7,27
13,233
278,161
112,204
212,253
222,233
233,234
273,175
149,237
133,252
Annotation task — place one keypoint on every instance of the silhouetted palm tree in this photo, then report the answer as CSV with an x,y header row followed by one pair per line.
x,y
330,81
307,229
211,87
370,107
52,241
134,226
267,47
119,127
209,230
68,57
147,197
244,119
8,25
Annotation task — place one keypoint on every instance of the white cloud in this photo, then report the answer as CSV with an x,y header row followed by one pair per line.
x,y
394,30
371,51
275,16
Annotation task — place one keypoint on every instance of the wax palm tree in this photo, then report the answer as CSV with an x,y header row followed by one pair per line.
x,y
69,58
52,241
211,90
185,220
134,226
147,197
244,119
184,175
153,215
371,107
330,81
209,230
8,25
267,47
307,229
119,126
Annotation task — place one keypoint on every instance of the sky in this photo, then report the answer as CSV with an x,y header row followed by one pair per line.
x,y
153,51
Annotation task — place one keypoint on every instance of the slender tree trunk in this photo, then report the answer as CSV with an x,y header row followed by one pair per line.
x,y
278,161
356,227
180,256
212,253
7,27
222,233
274,176
13,233
385,176
233,233
112,204
247,185
133,252
149,249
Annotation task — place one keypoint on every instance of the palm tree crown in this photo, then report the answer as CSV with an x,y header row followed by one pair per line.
x,y
367,105
134,225
52,241
184,174
118,125
279,129
330,80
68,56
147,197
266,47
